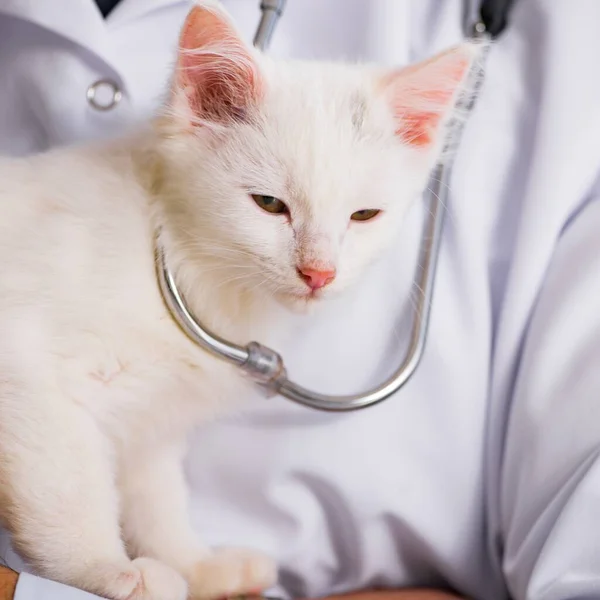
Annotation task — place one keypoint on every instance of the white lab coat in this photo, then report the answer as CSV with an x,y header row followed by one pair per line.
x,y
482,474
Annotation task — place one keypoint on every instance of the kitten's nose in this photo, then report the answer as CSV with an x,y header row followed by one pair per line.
x,y
316,278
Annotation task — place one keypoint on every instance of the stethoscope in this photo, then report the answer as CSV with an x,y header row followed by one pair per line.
x,y
263,364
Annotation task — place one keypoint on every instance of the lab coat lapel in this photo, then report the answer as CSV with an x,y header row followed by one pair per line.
x,y
84,24
128,10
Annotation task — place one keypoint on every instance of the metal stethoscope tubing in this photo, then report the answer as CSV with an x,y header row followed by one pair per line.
x,y
264,365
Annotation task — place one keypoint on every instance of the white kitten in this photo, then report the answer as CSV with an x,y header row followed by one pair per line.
x,y
271,185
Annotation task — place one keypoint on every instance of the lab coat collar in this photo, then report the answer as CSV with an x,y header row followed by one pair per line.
x,y
128,10
84,23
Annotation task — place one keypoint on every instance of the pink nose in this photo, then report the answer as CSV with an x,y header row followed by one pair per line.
x,y
316,278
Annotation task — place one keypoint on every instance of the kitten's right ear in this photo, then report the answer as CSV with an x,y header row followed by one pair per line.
x,y
217,80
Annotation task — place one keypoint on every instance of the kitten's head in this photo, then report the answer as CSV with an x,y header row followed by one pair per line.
x,y
292,176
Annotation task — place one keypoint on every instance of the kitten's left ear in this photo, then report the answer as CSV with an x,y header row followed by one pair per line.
x,y
422,95
217,78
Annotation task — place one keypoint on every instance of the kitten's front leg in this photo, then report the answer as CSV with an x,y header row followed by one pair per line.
x,y
59,500
156,524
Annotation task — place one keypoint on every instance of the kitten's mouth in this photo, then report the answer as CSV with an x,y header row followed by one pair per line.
x,y
303,301
308,295
315,294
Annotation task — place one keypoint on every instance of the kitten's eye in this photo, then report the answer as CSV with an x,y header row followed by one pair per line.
x,y
270,204
365,215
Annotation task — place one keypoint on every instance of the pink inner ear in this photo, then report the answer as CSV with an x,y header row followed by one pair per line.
x,y
215,70
422,94
416,127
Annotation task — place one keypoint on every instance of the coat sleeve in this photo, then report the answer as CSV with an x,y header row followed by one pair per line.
x,y
549,494
35,588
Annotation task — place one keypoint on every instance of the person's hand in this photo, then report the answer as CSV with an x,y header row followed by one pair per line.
x,y
408,594
8,583
405,594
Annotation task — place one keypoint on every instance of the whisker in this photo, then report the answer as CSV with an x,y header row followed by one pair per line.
x,y
238,278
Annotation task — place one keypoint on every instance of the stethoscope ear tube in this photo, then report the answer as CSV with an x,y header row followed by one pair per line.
x,y
494,16
271,11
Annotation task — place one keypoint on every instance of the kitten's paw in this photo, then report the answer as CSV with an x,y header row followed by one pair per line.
x,y
142,579
158,582
231,572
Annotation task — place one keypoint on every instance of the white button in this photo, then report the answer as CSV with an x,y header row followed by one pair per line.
x,y
104,94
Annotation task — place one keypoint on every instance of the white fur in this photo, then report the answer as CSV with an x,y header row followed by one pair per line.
x,y
98,386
